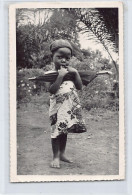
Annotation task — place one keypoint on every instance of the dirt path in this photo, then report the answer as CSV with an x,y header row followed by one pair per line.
x,y
93,153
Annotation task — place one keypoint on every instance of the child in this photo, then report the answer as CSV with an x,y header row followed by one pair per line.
x,y
65,109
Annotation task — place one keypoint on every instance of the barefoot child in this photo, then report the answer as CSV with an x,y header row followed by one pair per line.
x,y
65,110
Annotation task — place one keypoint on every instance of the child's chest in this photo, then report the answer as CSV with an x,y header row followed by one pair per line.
x,y
66,86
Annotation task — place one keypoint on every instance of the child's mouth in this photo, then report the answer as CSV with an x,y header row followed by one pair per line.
x,y
64,66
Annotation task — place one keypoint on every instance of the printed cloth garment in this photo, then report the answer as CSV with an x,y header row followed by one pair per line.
x,y
65,111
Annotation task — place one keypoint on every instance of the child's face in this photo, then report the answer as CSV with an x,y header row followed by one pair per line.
x,y
61,57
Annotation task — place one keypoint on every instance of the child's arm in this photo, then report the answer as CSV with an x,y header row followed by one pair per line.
x,y
55,86
78,81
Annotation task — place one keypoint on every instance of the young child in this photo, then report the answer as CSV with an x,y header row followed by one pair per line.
x,y
65,109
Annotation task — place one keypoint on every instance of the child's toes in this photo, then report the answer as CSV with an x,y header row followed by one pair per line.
x,y
55,163
63,158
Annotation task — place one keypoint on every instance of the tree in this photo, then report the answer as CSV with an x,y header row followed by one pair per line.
x,y
110,18
95,23
33,39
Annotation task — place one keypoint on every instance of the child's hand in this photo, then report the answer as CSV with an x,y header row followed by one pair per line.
x,y
62,71
72,70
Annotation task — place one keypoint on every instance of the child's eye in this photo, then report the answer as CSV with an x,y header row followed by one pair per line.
x,y
59,57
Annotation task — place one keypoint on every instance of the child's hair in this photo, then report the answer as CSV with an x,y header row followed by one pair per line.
x,y
60,43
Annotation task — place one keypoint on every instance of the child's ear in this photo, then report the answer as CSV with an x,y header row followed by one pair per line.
x,y
51,56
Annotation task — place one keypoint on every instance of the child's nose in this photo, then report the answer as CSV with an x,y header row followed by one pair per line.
x,y
63,60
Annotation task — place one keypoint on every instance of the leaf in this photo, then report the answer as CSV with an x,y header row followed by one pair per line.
x,y
96,23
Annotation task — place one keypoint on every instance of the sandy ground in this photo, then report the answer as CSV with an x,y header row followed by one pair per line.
x,y
94,152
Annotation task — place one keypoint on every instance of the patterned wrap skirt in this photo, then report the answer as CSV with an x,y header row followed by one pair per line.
x,y
65,111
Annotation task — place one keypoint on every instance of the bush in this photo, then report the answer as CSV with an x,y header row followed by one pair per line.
x,y
25,88
97,94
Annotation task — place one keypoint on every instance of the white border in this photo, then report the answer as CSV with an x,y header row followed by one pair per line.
x,y
12,32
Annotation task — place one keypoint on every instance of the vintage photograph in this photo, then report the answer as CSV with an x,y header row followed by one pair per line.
x,y
66,92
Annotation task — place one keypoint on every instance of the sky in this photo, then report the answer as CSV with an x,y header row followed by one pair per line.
x,y
85,44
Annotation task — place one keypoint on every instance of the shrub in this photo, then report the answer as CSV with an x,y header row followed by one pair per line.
x,y
97,94
25,88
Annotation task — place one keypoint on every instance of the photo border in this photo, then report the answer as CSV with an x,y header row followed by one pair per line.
x,y
12,58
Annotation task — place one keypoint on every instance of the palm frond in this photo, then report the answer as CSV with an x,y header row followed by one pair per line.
x,y
96,27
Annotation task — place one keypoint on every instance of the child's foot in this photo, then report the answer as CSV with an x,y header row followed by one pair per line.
x,y
55,163
63,158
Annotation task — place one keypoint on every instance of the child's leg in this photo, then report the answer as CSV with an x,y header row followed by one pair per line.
x,y
63,140
56,153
